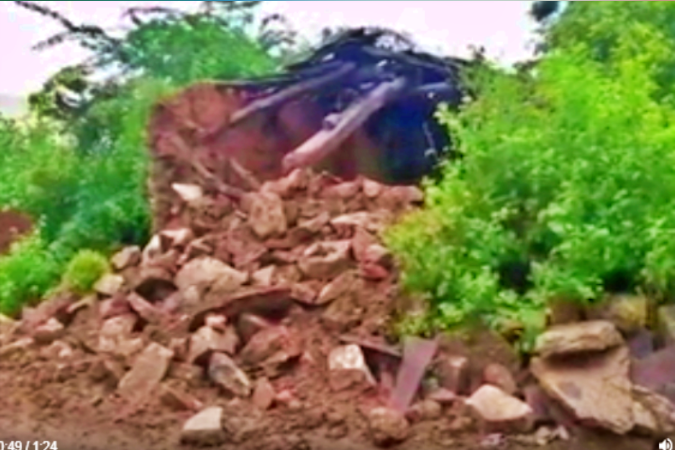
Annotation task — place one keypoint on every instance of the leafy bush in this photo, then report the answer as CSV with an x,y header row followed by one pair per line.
x,y
84,270
26,274
565,190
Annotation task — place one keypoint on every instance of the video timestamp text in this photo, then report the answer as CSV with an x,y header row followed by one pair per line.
x,y
29,445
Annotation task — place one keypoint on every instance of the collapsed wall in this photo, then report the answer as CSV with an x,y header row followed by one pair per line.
x,y
364,104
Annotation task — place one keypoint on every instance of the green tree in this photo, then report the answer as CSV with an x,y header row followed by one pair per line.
x,y
81,168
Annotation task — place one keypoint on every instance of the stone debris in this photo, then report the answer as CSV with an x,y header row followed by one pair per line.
x,y
325,260
16,348
498,411
189,193
596,389
207,340
264,344
424,410
202,274
109,284
147,372
118,305
127,257
116,330
281,301
263,394
178,400
217,322
250,324
48,332
442,396
205,428
347,365
176,238
387,427
266,214
604,389
225,373
543,436
145,309
653,414
580,337
57,350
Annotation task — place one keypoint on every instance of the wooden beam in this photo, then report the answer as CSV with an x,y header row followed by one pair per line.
x,y
326,141
289,93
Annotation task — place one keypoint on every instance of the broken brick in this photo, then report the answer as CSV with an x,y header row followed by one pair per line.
x,y
127,257
325,260
109,284
225,373
266,214
177,399
264,344
146,373
263,394
145,309
207,340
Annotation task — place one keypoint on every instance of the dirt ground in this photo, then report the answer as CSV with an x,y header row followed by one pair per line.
x,y
63,401
41,402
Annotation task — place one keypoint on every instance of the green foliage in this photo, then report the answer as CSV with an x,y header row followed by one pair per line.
x,y
84,270
26,274
566,187
202,48
615,35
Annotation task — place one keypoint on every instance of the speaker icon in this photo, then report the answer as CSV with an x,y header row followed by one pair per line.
x,y
666,444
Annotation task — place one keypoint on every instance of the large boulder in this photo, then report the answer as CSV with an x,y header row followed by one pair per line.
x,y
581,337
596,389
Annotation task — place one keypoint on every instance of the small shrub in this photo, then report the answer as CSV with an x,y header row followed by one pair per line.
x,y
26,273
84,270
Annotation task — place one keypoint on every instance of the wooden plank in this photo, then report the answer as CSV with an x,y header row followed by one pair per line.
x,y
289,93
417,355
326,141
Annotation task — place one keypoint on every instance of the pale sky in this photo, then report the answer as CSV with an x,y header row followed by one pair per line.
x,y
449,27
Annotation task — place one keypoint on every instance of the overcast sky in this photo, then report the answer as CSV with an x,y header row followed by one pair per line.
x,y
503,28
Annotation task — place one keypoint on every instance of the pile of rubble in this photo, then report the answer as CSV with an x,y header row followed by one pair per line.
x,y
263,322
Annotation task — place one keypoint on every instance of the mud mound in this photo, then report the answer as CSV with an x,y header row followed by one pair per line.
x,y
262,323
12,225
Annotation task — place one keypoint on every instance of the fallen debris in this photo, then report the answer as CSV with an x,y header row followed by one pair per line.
x,y
578,337
498,411
146,373
205,428
387,426
225,373
271,336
